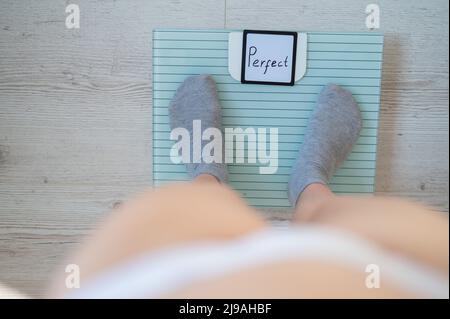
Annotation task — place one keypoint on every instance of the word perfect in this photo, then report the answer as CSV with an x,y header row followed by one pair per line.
x,y
266,64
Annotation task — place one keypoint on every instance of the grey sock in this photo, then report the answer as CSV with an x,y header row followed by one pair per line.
x,y
332,131
197,99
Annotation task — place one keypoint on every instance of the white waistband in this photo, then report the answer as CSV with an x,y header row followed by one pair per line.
x,y
168,270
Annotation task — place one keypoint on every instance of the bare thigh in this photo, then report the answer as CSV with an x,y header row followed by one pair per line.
x,y
397,225
160,218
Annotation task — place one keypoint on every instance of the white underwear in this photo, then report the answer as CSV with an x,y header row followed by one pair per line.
x,y
165,271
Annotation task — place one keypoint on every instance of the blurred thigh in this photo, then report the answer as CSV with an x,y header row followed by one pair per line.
x,y
168,216
398,225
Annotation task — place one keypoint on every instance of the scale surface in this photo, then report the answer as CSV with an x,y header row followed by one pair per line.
x,y
352,60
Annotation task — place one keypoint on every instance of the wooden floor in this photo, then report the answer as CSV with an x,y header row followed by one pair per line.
x,y
75,108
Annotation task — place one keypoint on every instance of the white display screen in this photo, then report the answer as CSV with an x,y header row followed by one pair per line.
x,y
269,58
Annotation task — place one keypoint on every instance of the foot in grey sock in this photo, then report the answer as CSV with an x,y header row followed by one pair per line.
x,y
197,99
332,131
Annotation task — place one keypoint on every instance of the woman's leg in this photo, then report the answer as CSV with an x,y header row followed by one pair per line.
x,y
404,227
168,216
397,225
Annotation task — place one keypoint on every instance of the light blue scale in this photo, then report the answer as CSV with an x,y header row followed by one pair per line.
x,y
352,60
